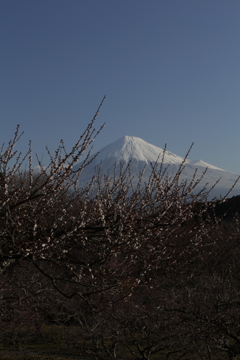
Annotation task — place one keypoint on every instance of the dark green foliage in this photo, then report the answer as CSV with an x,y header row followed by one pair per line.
x,y
229,209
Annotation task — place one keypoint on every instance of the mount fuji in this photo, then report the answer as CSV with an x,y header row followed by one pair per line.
x,y
141,155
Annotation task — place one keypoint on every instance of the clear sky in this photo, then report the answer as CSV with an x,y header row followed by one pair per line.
x,y
170,70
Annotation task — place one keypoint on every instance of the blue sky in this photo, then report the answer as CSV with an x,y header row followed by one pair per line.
x,y
170,70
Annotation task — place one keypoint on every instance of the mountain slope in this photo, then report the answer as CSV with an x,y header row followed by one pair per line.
x,y
141,155
131,147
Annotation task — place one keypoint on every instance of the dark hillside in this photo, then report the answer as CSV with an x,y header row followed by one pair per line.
x,y
228,209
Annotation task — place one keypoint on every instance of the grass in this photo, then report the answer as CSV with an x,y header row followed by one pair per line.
x,y
32,357
65,342
50,344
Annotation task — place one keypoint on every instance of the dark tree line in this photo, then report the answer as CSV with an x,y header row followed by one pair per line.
x,y
140,273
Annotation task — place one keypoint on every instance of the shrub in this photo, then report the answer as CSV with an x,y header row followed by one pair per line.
x,y
142,272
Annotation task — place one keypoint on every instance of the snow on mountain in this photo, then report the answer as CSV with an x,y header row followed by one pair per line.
x,y
141,154
131,147
201,163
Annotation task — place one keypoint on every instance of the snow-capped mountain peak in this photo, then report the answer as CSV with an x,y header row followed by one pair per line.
x,y
140,154
130,147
